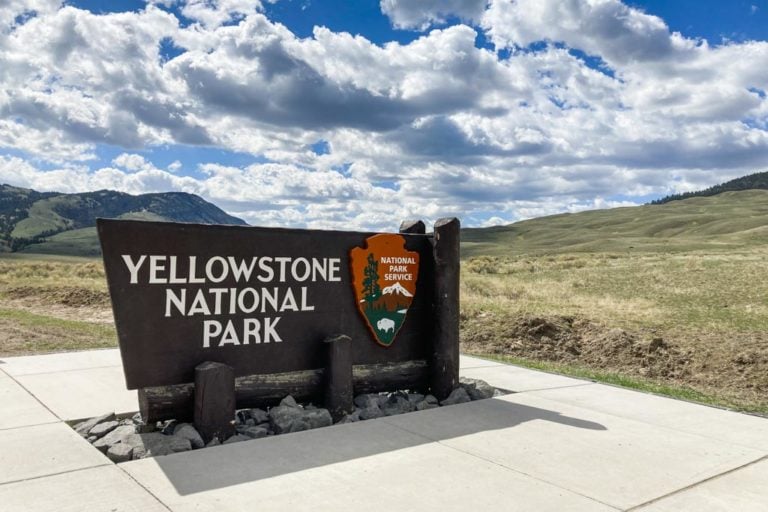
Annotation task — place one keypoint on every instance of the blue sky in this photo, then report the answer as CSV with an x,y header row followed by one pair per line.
x,y
338,114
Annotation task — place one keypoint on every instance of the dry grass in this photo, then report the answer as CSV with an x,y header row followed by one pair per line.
x,y
52,305
708,310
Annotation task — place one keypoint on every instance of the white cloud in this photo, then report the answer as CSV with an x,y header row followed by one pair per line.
x,y
213,13
431,128
421,14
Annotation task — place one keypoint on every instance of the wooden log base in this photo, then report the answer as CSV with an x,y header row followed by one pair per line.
x,y
176,402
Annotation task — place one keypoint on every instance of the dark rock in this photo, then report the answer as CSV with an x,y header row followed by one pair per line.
x,y
367,400
155,444
415,398
243,416
350,418
457,396
282,417
476,389
431,399
213,442
114,437
397,403
84,427
167,426
187,431
299,426
120,452
370,413
318,418
425,406
289,401
259,416
103,429
237,438
253,432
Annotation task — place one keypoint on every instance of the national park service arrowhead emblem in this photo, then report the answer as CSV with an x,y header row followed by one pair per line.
x,y
384,278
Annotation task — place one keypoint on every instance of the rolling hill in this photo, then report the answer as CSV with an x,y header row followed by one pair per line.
x,y
758,180
55,223
726,220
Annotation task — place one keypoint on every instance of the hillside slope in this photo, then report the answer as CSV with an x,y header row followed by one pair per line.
x,y
726,220
56,223
755,181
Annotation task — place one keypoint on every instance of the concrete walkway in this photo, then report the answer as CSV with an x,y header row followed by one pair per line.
x,y
557,444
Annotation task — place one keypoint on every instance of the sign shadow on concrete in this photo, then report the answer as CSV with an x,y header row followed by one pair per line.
x,y
251,461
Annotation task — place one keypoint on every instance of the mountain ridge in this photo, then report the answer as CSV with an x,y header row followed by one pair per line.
x,y
61,223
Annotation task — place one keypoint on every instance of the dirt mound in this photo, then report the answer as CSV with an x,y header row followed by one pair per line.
x,y
65,295
739,369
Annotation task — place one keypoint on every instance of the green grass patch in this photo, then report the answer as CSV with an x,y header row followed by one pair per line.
x,y
24,332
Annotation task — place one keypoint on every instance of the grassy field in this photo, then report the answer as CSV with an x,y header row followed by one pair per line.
x,y
681,312
52,304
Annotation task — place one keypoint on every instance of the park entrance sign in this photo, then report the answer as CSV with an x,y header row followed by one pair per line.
x,y
262,301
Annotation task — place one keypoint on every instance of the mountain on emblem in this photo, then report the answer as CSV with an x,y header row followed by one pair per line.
x,y
397,289
384,278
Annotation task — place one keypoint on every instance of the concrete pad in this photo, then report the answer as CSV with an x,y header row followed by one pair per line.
x,y
65,361
476,362
515,378
29,452
743,429
370,465
613,460
745,490
79,394
96,489
19,408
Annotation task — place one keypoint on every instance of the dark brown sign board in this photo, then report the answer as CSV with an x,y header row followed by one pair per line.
x,y
261,300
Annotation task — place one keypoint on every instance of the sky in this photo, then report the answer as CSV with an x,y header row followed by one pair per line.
x,y
336,114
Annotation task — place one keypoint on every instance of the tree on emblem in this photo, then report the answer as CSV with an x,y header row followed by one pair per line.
x,y
371,289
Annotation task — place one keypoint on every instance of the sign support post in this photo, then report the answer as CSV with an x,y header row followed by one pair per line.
x,y
445,354
339,394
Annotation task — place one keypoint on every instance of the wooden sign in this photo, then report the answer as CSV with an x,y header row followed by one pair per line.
x,y
263,301
384,276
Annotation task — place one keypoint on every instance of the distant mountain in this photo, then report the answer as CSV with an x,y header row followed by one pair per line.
x,y
726,221
55,223
758,180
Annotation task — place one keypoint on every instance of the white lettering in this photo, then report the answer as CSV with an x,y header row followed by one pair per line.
x,y
211,329
251,328
264,266
209,269
179,301
133,268
174,279
193,279
241,270
269,330
155,267
230,335
199,305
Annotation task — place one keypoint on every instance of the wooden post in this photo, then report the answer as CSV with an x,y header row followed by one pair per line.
x,y
415,227
214,401
338,386
445,354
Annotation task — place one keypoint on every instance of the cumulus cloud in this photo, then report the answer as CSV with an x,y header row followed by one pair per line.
x,y
576,101
420,14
